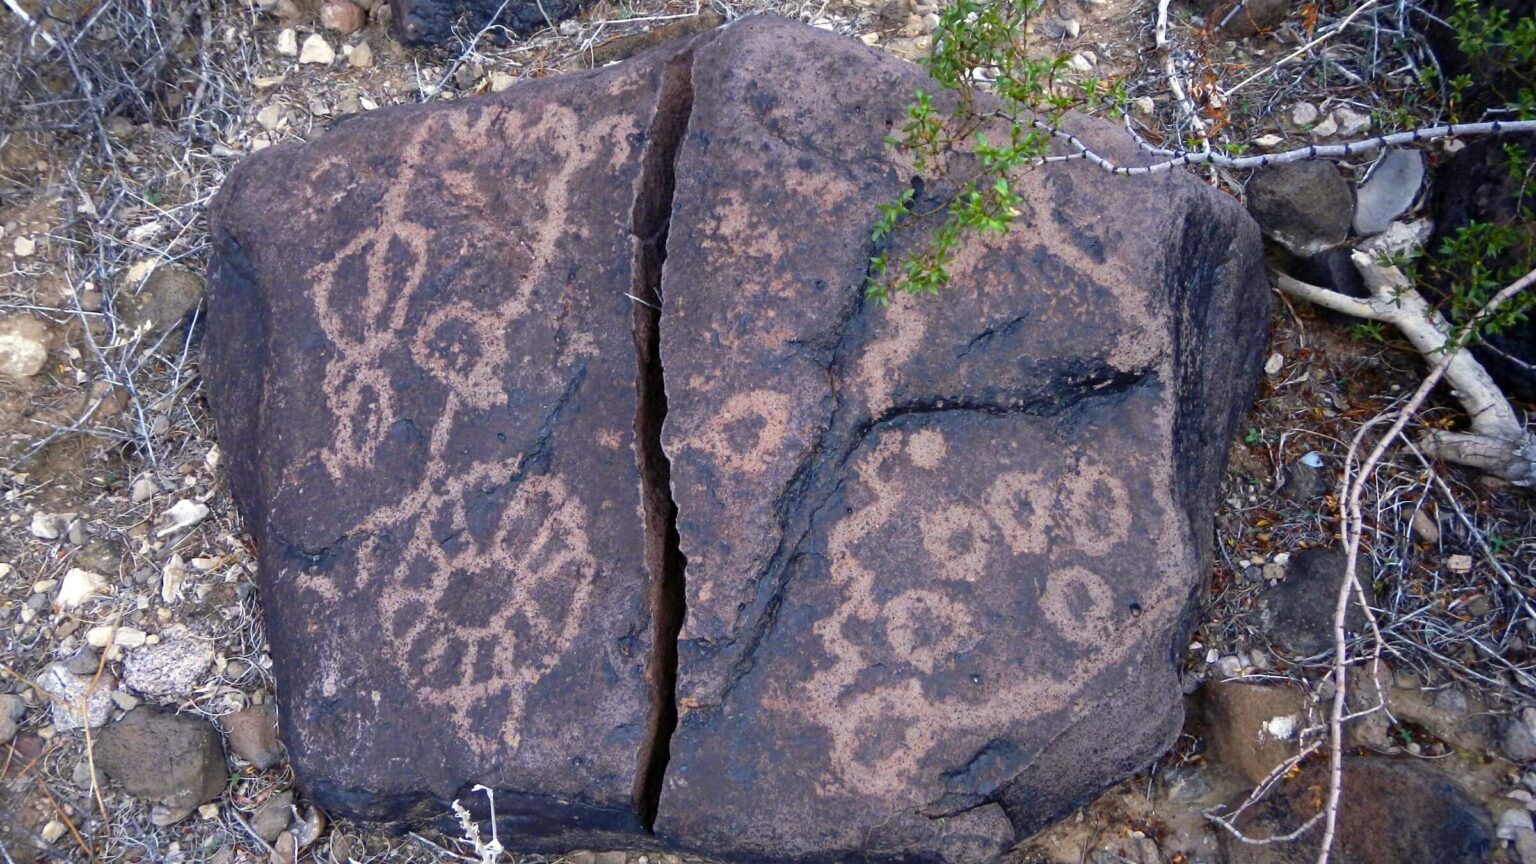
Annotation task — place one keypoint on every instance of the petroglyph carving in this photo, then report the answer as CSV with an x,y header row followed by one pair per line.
x,y
936,553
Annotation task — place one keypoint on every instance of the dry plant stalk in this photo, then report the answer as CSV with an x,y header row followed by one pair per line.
x,y
1498,442
1352,488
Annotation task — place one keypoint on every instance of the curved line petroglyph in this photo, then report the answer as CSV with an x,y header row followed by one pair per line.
x,y
537,561
923,626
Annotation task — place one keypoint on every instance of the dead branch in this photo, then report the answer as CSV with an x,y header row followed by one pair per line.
x,y
1452,348
1176,158
1497,442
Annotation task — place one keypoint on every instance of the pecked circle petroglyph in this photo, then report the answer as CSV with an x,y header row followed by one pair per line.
x,y
579,466
926,628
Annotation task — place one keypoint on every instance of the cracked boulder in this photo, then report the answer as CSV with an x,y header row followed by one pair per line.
x,y
910,581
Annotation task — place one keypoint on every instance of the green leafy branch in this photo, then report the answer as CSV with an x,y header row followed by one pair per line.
x,y
974,41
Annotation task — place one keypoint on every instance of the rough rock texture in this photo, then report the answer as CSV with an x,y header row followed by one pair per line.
x,y
78,699
1392,812
170,668
426,389
173,759
1306,207
1251,728
428,22
1296,615
940,556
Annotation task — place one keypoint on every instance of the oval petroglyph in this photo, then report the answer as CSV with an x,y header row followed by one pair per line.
x,y
928,628
746,433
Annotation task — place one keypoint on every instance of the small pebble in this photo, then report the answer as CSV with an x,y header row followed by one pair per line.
x,y
317,51
361,56
342,16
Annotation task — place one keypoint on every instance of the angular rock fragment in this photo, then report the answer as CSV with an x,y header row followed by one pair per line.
x,y
505,385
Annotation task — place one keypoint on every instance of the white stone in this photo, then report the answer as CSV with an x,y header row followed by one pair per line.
x,y
49,526
24,247
316,50
1326,129
183,514
75,701
122,637
1351,122
23,347
1303,114
270,117
143,489
288,42
78,587
171,579
1281,727
361,56
1459,563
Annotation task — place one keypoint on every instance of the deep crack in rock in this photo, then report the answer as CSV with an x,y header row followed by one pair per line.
x,y
649,224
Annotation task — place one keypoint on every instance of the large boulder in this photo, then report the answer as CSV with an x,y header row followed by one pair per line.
x,y
938,558
423,362
1390,812
941,554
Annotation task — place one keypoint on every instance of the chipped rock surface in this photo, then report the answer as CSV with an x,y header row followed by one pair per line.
x,y
170,668
569,465
78,700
